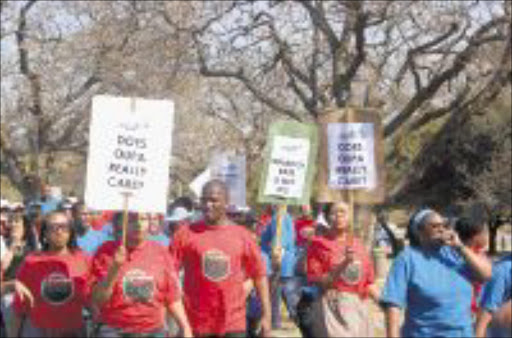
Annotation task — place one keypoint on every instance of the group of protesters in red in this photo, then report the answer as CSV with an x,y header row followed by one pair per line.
x,y
70,279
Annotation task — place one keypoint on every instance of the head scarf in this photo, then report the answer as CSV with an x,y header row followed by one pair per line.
x,y
418,220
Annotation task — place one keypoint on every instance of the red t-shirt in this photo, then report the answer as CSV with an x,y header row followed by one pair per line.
x,y
301,224
477,286
217,260
324,253
59,286
144,285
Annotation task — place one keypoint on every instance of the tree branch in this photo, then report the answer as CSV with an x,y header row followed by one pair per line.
x,y
460,62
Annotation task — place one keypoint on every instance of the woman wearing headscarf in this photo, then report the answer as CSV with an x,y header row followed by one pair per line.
x,y
431,281
340,267
134,284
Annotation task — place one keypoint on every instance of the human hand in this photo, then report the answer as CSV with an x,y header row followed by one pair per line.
x,y
276,255
119,257
23,292
266,326
451,238
349,254
187,333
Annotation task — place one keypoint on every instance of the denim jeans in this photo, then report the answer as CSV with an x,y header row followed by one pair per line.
x,y
290,289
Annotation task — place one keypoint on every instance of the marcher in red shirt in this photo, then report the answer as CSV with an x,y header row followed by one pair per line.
x,y
339,265
217,256
133,286
304,226
57,279
474,235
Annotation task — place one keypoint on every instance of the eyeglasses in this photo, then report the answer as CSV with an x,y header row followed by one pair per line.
x,y
58,226
438,224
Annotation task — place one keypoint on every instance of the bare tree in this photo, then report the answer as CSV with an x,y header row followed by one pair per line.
x,y
419,57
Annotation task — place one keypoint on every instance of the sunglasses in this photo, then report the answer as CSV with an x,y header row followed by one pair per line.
x,y
58,226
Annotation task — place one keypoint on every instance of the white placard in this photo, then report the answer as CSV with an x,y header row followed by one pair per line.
x,y
130,144
287,167
351,156
230,168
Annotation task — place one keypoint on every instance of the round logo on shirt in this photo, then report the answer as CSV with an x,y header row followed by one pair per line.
x,y
352,273
216,265
57,288
138,286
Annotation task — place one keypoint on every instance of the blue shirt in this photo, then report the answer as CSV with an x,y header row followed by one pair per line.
x,y
498,291
288,243
91,241
435,290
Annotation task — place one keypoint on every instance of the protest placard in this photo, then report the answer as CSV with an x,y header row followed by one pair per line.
x,y
289,164
230,168
351,156
357,163
129,152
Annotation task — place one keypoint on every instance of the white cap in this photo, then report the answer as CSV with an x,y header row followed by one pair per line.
x,y
320,220
178,214
4,204
72,199
17,205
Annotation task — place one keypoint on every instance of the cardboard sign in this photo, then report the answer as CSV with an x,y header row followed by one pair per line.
x,y
287,167
289,164
129,152
230,168
351,156
366,193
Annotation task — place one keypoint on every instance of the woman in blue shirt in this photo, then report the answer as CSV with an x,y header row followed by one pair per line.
x,y
431,281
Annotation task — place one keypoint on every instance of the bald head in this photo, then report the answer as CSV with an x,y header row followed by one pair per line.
x,y
216,185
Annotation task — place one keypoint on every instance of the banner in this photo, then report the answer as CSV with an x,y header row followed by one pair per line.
x,y
351,156
129,152
289,168
230,168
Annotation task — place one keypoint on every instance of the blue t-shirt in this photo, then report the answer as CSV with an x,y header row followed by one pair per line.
x,y
91,241
434,288
498,291
288,243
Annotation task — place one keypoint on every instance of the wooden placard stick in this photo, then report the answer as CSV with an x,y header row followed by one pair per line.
x,y
349,193
277,244
126,196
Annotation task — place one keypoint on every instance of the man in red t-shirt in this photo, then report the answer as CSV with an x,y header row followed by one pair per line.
x,y
304,226
217,257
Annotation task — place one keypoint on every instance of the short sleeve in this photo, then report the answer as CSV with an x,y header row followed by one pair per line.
x,y
99,265
494,292
252,260
172,286
395,289
177,247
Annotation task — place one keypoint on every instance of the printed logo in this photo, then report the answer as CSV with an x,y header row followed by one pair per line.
x,y
57,288
216,265
138,286
352,273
